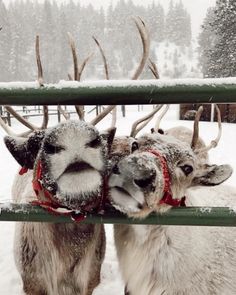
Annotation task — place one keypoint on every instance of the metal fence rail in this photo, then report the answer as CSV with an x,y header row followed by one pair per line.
x,y
120,92
200,216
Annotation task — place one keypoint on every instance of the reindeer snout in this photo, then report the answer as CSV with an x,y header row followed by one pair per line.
x,y
146,182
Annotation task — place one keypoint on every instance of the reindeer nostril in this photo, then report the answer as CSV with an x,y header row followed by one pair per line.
x,y
115,170
144,182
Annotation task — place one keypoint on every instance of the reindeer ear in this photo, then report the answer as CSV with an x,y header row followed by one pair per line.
x,y
25,150
109,135
213,175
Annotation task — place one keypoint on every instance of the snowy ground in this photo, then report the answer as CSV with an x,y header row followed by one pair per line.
x,y
111,280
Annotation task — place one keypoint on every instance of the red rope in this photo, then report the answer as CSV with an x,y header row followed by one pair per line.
x,y
167,196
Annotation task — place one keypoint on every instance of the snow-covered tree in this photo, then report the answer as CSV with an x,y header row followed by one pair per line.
x,y
218,40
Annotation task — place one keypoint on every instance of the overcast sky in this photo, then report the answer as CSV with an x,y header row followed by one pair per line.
x,y
197,8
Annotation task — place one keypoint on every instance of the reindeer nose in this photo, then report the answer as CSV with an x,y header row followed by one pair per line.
x,y
144,183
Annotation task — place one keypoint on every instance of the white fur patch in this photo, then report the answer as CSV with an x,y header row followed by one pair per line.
x,y
77,183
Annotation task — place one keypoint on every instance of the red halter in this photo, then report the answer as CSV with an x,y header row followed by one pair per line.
x,y
46,200
167,197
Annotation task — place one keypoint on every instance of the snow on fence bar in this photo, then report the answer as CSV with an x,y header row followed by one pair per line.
x,y
120,92
200,216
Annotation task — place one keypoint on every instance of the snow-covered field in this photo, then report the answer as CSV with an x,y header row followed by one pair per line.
x,y
111,281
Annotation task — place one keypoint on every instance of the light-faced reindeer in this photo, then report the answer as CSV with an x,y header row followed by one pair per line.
x,y
67,165
155,259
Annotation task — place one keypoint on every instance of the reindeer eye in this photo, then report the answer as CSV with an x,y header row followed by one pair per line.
x,y
53,149
94,143
187,169
134,146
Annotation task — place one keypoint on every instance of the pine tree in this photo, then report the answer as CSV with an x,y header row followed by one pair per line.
x,y
220,56
178,25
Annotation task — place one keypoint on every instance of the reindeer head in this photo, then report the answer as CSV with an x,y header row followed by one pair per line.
x,y
161,167
72,158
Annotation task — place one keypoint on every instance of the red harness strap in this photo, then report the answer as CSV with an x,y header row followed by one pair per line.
x,y
46,200
167,197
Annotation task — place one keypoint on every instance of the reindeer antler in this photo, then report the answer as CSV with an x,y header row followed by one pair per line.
x,y
152,66
196,128
20,118
108,109
157,125
143,32
78,70
145,120
215,141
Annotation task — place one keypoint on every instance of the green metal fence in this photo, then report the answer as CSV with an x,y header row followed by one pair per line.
x,y
123,92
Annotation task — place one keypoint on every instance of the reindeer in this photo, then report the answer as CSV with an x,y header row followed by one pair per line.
x,y
172,260
67,165
64,170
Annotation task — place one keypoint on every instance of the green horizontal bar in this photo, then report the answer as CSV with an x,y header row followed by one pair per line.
x,y
201,216
120,92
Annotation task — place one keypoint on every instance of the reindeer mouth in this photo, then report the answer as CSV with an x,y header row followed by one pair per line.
x,y
122,190
125,201
77,167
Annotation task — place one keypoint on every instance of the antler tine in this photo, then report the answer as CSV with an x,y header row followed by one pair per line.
x,y
6,128
45,117
63,112
152,66
20,118
38,60
74,55
80,111
196,128
146,119
82,67
157,125
215,141
77,73
144,34
9,131
103,57
70,77
102,115
40,80
109,108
